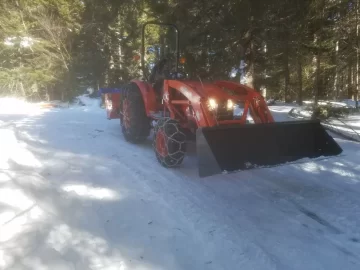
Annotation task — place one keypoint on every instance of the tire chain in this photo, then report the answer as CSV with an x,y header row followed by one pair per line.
x,y
173,156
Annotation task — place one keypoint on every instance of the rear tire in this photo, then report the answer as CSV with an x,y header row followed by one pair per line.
x,y
169,143
135,124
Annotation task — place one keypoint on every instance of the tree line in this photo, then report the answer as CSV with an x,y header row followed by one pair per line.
x,y
288,49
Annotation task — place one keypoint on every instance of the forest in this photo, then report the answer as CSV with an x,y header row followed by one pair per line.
x,y
292,50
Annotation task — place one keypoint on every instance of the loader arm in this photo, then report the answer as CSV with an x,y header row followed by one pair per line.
x,y
253,100
254,103
201,115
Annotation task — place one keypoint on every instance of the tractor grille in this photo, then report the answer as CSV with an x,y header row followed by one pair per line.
x,y
223,113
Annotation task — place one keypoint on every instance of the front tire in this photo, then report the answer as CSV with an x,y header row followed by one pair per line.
x,y
135,124
169,143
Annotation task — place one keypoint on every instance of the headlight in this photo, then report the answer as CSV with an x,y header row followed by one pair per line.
x,y
212,104
230,105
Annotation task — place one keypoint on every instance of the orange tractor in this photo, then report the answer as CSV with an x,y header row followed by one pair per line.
x,y
231,122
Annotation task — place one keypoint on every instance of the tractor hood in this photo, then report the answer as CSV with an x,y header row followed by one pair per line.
x,y
211,90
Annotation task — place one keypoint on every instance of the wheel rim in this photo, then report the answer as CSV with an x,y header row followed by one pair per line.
x,y
126,113
161,148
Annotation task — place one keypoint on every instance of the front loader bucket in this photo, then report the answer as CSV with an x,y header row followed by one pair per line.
x,y
233,148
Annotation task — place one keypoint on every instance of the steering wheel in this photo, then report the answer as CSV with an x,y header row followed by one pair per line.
x,y
159,71
177,75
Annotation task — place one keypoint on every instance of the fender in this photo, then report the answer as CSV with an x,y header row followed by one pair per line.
x,y
148,95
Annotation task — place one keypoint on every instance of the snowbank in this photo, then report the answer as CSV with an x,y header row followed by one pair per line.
x,y
85,100
17,106
280,111
338,104
348,127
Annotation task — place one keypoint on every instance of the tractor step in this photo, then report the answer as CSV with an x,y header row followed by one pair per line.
x,y
160,114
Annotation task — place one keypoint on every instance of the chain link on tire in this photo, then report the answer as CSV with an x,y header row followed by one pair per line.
x,y
169,142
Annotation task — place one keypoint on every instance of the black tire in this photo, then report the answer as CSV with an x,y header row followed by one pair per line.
x,y
135,124
174,142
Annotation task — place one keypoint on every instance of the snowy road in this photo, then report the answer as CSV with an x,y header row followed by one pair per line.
x,y
75,195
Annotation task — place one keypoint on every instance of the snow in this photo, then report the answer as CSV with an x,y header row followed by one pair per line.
x,y
75,195
348,127
344,103
280,111
17,106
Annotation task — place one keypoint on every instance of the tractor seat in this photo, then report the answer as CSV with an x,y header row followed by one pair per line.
x,y
158,87
158,74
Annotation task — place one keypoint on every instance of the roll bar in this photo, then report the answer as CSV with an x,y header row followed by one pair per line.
x,y
143,43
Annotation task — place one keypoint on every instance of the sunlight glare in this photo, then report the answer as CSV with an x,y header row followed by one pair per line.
x,y
12,149
91,192
4,177
19,106
6,216
311,167
15,198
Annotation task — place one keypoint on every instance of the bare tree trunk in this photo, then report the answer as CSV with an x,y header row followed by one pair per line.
x,y
357,55
336,81
341,86
317,82
23,90
120,62
299,75
120,37
286,72
349,83
47,95
251,70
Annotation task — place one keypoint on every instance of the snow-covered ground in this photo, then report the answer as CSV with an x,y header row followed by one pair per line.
x,y
348,126
75,195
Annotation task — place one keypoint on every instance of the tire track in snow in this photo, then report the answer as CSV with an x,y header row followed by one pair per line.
x,y
196,208
242,221
182,178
